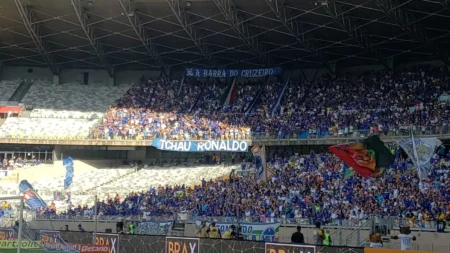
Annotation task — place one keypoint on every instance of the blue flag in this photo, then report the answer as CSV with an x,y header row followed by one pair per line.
x,y
68,164
260,162
30,196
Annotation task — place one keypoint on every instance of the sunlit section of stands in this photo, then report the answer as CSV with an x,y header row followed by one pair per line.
x,y
155,177
81,182
41,128
8,189
64,114
82,186
7,89
122,181
71,100
143,179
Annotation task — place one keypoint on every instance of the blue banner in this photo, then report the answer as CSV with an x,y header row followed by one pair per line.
x,y
68,164
200,146
30,196
260,162
224,73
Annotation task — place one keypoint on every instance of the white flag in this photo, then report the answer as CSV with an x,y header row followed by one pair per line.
x,y
420,151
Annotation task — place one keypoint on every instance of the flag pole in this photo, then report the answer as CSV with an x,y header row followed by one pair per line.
x,y
416,157
236,197
265,163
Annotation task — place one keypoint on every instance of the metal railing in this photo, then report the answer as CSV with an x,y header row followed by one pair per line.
x,y
310,134
385,225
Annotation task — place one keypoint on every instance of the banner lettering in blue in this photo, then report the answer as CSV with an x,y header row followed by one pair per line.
x,y
224,73
200,146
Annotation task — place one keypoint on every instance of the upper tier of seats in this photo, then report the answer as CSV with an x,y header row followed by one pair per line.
x,y
42,128
71,100
346,105
7,89
62,111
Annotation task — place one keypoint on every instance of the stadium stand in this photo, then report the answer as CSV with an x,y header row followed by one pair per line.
x,y
286,111
47,128
297,192
71,100
304,189
68,111
7,89
211,99
121,181
318,109
246,91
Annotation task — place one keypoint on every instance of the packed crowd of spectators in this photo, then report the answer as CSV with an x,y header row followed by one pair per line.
x,y
18,162
346,105
210,99
165,109
6,209
306,188
245,94
271,93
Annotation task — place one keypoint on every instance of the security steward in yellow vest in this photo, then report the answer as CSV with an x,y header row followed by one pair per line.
x,y
201,232
327,240
230,233
213,231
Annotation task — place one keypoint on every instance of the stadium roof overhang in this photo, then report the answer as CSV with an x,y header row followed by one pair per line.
x,y
136,34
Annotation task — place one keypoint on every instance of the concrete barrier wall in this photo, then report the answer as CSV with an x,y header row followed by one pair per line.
x,y
429,241
162,244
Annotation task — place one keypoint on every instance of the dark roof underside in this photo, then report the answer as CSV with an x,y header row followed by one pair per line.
x,y
201,33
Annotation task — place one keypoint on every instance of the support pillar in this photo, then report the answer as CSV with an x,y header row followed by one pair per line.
x,y
56,79
112,81
390,62
1,69
333,69
167,70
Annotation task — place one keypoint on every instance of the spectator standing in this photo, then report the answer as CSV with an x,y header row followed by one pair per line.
x,y
119,226
80,228
375,240
298,237
405,238
230,233
441,225
318,234
201,232
131,229
213,231
327,240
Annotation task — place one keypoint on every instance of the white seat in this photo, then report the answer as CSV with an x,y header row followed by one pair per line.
x,y
43,127
71,100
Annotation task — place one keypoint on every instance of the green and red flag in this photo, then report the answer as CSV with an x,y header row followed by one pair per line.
x,y
369,157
